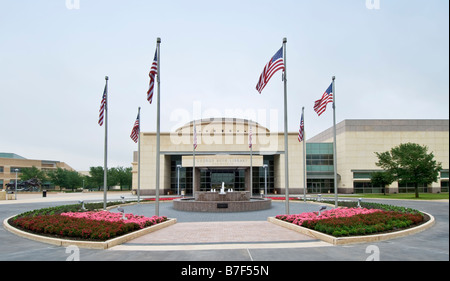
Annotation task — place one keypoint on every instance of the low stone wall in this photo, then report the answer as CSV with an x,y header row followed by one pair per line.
x,y
227,196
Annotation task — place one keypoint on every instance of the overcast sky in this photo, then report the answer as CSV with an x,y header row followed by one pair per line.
x,y
391,61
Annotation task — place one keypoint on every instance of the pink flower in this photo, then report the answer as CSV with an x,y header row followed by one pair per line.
x,y
115,217
334,213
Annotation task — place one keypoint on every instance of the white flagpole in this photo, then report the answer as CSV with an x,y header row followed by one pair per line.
x,y
251,161
304,155
158,42
286,173
105,165
334,146
194,135
139,157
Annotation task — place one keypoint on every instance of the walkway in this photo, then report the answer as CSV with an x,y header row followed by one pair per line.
x,y
220,235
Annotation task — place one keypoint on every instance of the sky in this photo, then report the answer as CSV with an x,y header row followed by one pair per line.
x,y
390,59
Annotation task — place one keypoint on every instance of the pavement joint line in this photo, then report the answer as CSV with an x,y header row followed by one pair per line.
x,y
125,247
221,243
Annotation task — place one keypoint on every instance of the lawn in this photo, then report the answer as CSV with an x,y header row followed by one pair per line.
x,y
408,196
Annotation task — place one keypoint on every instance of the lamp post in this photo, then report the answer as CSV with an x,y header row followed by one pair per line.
x,y
15,191
178,179
265,166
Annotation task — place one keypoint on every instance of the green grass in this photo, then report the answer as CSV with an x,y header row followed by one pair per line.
x,y
409,196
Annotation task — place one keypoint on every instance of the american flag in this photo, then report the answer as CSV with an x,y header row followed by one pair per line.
x,y
321,105
250,144
276,63
195,137
152,74
102,107
136,129
301,131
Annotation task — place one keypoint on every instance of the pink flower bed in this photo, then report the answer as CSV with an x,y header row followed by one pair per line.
x,y
116,217
334,213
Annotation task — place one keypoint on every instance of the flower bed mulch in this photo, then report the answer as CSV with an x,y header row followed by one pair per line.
x,y
355,221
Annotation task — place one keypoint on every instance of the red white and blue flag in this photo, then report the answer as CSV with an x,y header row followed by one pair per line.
x,y
276,63
152,75
301,131
136,129
102,107
321,105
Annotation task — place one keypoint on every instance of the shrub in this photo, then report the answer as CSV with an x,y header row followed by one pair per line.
x,y
69,221
356,221
363,224
73,227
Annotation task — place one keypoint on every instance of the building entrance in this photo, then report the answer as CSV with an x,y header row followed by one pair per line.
x,y
213,178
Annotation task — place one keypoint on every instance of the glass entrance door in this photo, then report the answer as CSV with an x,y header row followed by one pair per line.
x,y
219,176
316,187
213,178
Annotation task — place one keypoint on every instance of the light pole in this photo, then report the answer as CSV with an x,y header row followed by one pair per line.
x,y
178,179
15,191
265,166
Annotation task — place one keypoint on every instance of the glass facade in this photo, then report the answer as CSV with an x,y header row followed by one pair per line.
x,y
233,177
319,168
185,176
259,176
213,178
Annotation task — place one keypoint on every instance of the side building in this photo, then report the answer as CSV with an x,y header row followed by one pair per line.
x,y
223,155
10,162
358,140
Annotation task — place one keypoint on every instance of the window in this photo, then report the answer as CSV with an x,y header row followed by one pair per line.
x,y
13,170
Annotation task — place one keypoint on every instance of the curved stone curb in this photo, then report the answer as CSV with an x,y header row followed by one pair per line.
x,y
354,239
87,244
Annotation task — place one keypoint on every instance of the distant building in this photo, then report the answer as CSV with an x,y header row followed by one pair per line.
x,y
9,162
223,155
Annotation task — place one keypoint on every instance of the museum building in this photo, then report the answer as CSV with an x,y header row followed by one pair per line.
x,y
223,155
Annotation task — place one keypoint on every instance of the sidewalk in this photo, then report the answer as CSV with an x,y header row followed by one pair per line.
x,y
23,198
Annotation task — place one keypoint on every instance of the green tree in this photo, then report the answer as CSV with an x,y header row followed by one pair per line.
x,y
65,178
33,173
96,176
123,176
381,179
410,163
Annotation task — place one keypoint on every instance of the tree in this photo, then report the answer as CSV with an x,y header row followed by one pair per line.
x,y
382,179
65,178
116,176
96,176
32,173
410,163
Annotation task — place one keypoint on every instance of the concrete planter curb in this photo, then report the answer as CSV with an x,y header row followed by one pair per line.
x,y
88,244
354,239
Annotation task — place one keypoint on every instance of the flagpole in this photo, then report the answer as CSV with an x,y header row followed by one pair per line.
x,y
105,165
304,155
286,173
251,162
139,157
334,145
194,132
158,42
